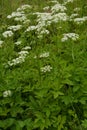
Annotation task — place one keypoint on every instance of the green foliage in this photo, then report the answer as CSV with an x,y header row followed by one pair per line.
x,y
47,90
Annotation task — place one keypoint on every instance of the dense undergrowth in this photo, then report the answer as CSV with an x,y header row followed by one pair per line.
x,y
43,66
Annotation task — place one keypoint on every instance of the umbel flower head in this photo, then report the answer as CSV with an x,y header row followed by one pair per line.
x,y
7,93
72,36
46,68
7,34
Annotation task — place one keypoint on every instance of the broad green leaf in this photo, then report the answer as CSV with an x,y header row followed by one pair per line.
x,y
57,93
84,123
76,88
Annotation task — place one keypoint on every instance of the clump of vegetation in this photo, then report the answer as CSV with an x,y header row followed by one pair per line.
x,y
43,78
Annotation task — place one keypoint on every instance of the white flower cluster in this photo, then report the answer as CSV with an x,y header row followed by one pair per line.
x,y
7,34
30,28
68,1
45,19
23,53
54,1
44,55
60,17
7,93
41,25
15,27
58,8
1,42
46,68
19,14
72,36
27,48
21,19
73,16
24,7
44,31
42,19
77,9
16,14
46,8
20,59
80,20
17,43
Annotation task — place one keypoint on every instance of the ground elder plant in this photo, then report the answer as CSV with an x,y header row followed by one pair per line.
x,y
43,67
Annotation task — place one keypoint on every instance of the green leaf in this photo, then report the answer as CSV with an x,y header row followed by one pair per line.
x,y
7,123
21,123
33,103
67,99
83,100
57,93
76,88
2,125
15,110
28,123
47,112
84,123
61,122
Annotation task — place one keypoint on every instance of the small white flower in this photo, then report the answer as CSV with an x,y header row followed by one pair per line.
x,y
17,43
9,16
44,31
23,52
7,34
68,1
80,20
46,8
73,15
7,93
44,55
27,48
18,60
59,17
77,9
30,28
46,68
58,8
17,14
35,57
15,27
21,19
65,38
54,1
24,7
72,36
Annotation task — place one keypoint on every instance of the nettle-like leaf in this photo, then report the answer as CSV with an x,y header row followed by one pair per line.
x,y
7,123
67,99
76,88
83,100
61,122
41,121
84,123
28,123
57,93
